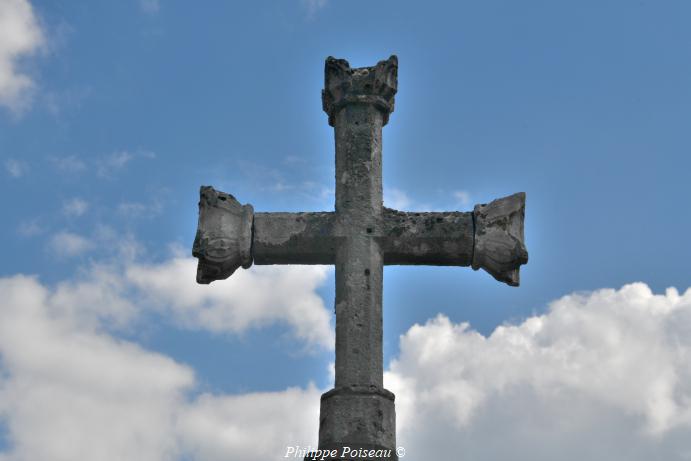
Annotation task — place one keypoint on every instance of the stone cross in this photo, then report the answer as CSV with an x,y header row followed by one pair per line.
x,y
359,238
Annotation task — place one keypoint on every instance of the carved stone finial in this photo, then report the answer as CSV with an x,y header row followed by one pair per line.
x,y
224,235
499,247
369,85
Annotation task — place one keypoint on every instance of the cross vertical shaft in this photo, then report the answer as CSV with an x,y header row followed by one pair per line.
x,y
358,412
359,268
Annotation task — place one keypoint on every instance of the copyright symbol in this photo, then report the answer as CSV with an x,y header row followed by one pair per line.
x,y
400,451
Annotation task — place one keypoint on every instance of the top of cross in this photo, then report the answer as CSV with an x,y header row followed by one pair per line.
x,y
344,85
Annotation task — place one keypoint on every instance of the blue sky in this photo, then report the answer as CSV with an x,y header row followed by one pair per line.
x,y
112,114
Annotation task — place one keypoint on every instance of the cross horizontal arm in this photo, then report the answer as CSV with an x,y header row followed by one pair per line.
x,y
436,238
294,238
231,235
490,237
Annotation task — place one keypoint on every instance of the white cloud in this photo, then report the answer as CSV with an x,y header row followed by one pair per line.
x,y
105,166
113,162
132,208
313,6
30,228
250,298
16,168
72,393
150,6
248,427
70,390
462,197
67,244
139,209
75,207
123,247
98,295
601,376
20,36
110,164
396,199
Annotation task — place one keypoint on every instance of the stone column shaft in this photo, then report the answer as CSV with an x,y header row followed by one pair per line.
x,y
359,265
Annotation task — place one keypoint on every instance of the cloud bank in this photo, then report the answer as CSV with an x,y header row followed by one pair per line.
x,y
69,390
602,375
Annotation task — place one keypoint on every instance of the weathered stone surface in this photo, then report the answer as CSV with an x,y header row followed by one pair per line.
x,y
224,235
434,238
359,264
358,102
499,246
294,238
358,416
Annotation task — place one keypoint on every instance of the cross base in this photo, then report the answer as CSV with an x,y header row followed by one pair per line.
x,y
357,423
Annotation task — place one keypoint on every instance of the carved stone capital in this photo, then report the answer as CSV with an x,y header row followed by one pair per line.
x,y
224,235
374,85
499,248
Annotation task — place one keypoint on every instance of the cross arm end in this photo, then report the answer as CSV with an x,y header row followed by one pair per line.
x,y
499,242
223,242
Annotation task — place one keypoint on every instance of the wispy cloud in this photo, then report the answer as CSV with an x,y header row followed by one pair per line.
x,y
313,6
68,244
293,160
30,228
16,168
113,162
108,165
122,246
104,166
396,199
69,164
20,36
62,101
150,6
75,207
400,200
140,209
151,206
462,197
